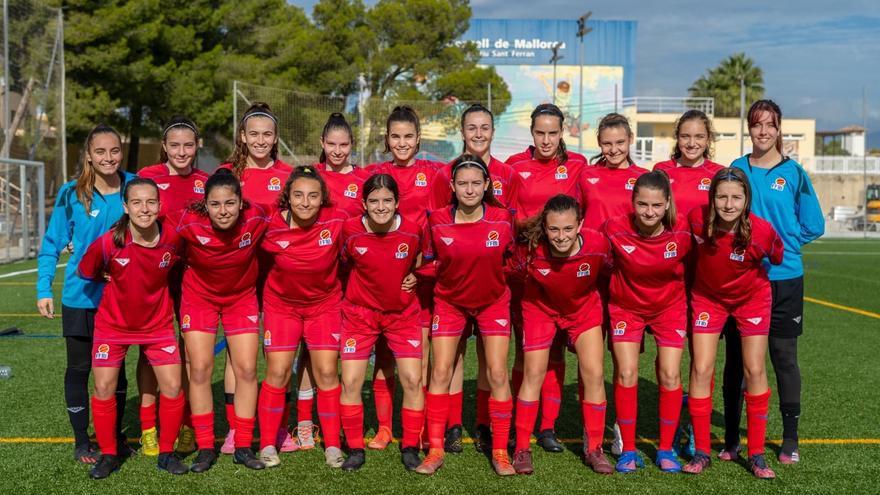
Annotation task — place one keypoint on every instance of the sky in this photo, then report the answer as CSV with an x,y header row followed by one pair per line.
x,y
817,56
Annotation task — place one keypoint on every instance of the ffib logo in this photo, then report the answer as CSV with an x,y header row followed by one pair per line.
x,y
738,254
185,321
351,191
325,239
705,182
702,320
493,239
198,186
350,346
267,338
671,250
497,188
620,328
778,184
421,180
561,173
274,184
435,322
630,183
583,270
166,260
402,251
245,240
103,352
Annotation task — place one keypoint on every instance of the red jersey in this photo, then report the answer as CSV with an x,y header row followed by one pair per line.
x,y
470,256
564,285
503,177
541,180
379,263
303,262
346,190
733,275
690,185
416,182
607,192
176,192
263,185
222,264
136,306
648,274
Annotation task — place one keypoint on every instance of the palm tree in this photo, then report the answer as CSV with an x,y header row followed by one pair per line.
x,y
723,81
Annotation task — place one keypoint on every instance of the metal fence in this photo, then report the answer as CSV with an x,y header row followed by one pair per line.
x,y
22,208
849,191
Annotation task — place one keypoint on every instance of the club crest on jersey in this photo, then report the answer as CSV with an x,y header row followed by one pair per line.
x,y
778,184
245,240
421,180
704,184
738,254
497,188
671,250
583,270
702,320
350,346
544,271
402,251
283,244
274,184
561,173
435,322
493,239
351,191
103,352
166,260
199,186
630,183
267,338
593,180
185,321
122,261
163,186
325,239
620,328
170,349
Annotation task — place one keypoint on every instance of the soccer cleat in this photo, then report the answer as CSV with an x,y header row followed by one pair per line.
x,y
333,457
452,442
629,462
483,439
171,463
285,442
501,463
758,466
617,441
431,463
381,440
106,465
150,442
305,435
355,461
86,453
186,441
269,456
730,454
699,463
246,457
522,462
205,458
667,461
789,459
547,440
597,461
228,443
409,456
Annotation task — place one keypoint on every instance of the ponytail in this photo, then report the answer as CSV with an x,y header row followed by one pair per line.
x,y
179,122
120,228
336,122
304,172
240,152
85,182
222,178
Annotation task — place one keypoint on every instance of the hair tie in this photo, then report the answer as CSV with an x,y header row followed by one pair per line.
x,y
179,124
260,114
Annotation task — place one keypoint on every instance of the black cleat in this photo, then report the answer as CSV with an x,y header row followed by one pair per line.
x,y
452,443
410,458
86,453
483,439
106,465
245,455
355,461
547,440
205,458
171,463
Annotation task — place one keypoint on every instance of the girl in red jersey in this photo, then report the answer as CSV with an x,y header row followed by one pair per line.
x,y
302,298
732,244
470,241
136,256
561,265
544,169
219,284
690,169
381,248
647,288
345,181
180,184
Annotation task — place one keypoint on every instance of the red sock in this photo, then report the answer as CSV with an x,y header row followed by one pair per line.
x,y
187,415
203,424
516,381
270,408
104,416
627,406
328,415
455,407
701,418
670,411
436,411
148,416
483,406
171,417
412,422
304,402
244,432
285,414
352,416
383,395
230,413
594,423
551,395
499,418
756,412
526,415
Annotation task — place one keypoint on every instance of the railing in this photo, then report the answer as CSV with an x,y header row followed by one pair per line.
x,y
642,150
670,104
846,165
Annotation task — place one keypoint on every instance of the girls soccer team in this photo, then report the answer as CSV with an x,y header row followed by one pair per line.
x,y
410,256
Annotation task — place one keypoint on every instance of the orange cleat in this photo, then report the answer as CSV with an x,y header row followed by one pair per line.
x,y
433,461
381,440
501,463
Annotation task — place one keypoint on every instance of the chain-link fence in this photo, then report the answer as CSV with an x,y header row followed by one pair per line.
x,y
23,210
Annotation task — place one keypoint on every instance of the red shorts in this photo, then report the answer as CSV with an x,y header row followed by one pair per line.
x,y
451,321
752,317
240,316
362,327
669,327
109,354
540,327
286,324
425,293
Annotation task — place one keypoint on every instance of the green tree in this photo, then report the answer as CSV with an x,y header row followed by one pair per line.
x,y
723,84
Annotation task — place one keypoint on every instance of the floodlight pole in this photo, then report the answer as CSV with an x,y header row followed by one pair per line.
x,y
582,31
742,114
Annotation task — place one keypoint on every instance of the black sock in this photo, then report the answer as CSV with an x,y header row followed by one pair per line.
x,y
76,386
732,386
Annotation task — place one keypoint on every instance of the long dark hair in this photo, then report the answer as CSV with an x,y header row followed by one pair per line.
x,y
710,132
336,122
553,111
240,152
533,232
473,161
609,121
743,230
85,181
761,106
658,181
222,178
402,113
120,228
179,122
305,172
